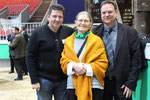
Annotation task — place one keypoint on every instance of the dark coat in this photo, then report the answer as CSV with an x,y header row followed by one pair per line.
x,y
10,38
25,35
19,47
127,58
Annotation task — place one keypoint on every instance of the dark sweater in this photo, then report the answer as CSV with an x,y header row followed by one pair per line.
x,y
44,53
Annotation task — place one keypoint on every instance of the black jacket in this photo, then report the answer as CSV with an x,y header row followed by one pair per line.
x,y
44,53
24,33
10,39
127,58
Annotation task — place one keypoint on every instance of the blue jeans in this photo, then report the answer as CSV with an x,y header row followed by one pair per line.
x,y
49,88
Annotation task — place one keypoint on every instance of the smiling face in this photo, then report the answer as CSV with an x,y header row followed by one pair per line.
x,y
15,31
55,20
83,23
108,14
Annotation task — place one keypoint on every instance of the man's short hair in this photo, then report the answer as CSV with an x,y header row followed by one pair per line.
x,y
16,28
109,2
23,27
56,7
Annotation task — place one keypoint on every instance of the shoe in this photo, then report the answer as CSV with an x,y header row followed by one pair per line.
x,y
18,79
10,72
25,74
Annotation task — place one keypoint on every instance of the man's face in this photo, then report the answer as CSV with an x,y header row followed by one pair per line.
x,y
15,31
108,14
55,19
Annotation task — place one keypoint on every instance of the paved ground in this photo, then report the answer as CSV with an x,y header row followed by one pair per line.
x,y
15,90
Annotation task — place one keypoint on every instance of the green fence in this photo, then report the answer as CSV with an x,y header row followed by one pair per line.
x,y
4,51
143,85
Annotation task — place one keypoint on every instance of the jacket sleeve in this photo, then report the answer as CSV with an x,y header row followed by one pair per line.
x,y
31,58
135,60
64,60
26,38
14,42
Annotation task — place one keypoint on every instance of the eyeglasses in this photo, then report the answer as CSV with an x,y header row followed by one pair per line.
x,y
85,21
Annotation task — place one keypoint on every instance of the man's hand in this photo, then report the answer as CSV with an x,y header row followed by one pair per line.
x,y
127,92
36,86
9,43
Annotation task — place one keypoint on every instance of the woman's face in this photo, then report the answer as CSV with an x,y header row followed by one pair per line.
x,y
83,23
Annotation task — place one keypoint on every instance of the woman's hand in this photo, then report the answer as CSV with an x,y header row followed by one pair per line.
x,y
79,69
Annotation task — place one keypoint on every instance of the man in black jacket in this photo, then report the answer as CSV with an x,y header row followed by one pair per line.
x,y
123,53
10,37
18,52
44,53
25,35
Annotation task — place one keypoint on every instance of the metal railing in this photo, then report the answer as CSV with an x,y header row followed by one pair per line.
x,y
3,12
35,9
5,28
20,12
119,19
14,11
44,21
21,15
24,15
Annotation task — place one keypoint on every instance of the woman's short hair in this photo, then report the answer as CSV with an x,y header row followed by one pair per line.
x,y
85,13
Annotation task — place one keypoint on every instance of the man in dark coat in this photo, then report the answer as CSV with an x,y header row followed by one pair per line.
x,y
124,55
18,53
23,31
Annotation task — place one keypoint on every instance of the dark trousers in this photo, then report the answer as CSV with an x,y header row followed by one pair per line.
x,y
19,66
11,64
110,92
49,88
97,94
25,70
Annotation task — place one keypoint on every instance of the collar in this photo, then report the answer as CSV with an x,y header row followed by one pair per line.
x,y
81,36
113,28
49,29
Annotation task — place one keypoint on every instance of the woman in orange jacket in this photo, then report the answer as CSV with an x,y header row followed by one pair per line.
x,y
84,61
